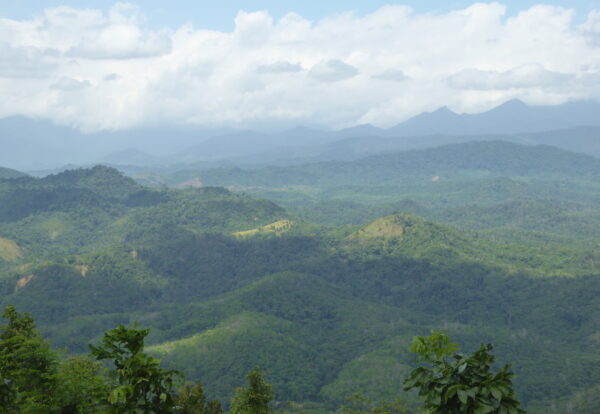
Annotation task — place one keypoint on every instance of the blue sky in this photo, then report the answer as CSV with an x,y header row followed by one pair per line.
x,y
219,15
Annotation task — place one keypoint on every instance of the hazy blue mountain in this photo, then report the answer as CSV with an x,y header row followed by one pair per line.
x,y
579,139
360,130
10,173
584,139
40,145
244,147
130,156
225,146
29,144
512,117
440,127
479,158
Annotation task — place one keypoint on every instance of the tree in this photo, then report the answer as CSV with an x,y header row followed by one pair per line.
x,y
214,407
359,404
191,399
81,386
6,396
142,385
255,398
27,366
456,383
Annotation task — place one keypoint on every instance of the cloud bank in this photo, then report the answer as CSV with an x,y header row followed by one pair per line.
x,y
95,70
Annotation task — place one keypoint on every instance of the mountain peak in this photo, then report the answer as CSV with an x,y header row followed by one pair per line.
x,y
513,104
511,117
362,129
443,110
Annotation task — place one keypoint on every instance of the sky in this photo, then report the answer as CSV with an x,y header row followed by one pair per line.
x,y
103,65
220,15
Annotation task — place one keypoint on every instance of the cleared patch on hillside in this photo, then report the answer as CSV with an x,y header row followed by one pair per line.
x,y
9,251
277,228
22,282
83,270
194,183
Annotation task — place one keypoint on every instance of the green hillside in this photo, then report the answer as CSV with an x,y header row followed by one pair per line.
x,y
533,195
226,281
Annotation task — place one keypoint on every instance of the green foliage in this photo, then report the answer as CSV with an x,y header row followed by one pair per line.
x,y
7,396
191,399
255,398
141,384
27,365
214,407
435,347
359,404
81,386
456,383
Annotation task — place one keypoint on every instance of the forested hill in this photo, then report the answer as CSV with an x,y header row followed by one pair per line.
x,y
492,157
10,173
87,209
226,282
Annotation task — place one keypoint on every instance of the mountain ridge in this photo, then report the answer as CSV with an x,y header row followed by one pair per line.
x,y
41,145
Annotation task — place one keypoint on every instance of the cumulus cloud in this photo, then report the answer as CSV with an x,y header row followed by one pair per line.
x,y
121,37
121,42
339,71
526,76
111,77
392,75
70,84
332,71
591,28
280,67
24,62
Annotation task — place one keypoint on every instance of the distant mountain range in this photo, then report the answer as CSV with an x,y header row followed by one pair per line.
x,y
512,117
37,145
490,158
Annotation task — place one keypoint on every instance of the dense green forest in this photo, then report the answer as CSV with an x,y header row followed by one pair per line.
x,y
530,194
35,379
325,285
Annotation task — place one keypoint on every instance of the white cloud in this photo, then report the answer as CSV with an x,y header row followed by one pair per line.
x,y
280,67
392,75
111,77
340,71
591,28
121,37
70,84
522,77
121,42
24,62
332,71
